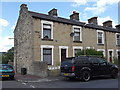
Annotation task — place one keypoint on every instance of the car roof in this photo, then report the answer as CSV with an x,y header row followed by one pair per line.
x,y
5,64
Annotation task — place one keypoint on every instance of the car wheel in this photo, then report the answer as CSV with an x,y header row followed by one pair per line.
x,y
114,74
86,76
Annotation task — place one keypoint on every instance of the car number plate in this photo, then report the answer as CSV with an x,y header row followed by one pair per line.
x,y
66,74
5,75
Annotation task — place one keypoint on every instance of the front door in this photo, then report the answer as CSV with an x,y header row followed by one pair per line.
x,y
63,54
110,56
118,55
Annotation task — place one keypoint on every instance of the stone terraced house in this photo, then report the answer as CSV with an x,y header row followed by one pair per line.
x,y
40,37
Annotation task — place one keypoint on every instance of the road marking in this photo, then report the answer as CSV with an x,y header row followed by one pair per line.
x,y
24,83
32,86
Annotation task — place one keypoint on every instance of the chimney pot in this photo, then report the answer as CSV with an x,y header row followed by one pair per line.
x,y
107,23
93,20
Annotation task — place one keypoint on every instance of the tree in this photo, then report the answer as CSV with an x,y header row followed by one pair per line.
x,y
90,52
9,55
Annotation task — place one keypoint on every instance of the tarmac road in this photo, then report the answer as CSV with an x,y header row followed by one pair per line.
x,y
101,82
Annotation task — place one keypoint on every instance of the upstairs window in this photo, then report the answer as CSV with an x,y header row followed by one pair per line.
x,y
77,33
46,31
118,39
100,37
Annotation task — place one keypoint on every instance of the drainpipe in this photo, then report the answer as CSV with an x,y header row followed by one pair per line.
x,y
106,49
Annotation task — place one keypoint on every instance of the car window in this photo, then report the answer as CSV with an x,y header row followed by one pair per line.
x,y
82,60
101,60
6,67
93,60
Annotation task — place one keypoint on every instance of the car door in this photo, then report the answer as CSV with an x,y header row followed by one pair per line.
x,y
94,65
104,66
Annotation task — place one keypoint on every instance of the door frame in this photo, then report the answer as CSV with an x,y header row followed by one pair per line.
x,y
112,54
63,47
118,50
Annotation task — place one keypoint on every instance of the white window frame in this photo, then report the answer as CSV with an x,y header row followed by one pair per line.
x,y
112,54
117,52
102,50
76,47
116,38
63,47
46,22
80,31
102,36
47,46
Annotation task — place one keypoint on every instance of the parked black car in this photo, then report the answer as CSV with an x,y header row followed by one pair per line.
x,y
6,71
86,67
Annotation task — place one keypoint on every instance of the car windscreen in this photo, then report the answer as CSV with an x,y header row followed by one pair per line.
x,y
5,67
68,62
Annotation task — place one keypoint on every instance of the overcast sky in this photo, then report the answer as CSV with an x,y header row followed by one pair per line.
x,y
103,9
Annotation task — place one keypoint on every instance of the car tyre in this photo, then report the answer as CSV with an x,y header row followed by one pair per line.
x,y
114,74
86,76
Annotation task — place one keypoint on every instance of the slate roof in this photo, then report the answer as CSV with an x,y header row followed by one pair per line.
x,y
72,22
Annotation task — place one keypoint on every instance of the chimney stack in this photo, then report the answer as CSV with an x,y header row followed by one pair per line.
x,y
107,23
23,8
92,20
74,16
118,27
53,12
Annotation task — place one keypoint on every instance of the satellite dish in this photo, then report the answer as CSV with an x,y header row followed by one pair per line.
x,y
72,34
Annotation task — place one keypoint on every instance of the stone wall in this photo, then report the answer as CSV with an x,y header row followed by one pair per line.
x,y
23,41
40,69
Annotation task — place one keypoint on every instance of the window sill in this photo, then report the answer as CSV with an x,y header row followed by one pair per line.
x,y
118,45
47,39
100,44
77,41
49,64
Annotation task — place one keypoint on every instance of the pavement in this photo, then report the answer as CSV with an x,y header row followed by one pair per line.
x,y
33,78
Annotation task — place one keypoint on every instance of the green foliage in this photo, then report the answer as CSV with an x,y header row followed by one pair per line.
x,y
9,55
90,52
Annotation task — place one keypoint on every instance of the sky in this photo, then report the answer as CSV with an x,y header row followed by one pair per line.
x,y
9,12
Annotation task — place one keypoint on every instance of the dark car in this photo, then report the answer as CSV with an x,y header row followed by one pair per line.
x,y
86,67
6,71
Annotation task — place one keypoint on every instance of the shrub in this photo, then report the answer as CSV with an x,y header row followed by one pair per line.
x,y
90,52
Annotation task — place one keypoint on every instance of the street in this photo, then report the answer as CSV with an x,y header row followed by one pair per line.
x,y
101,82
